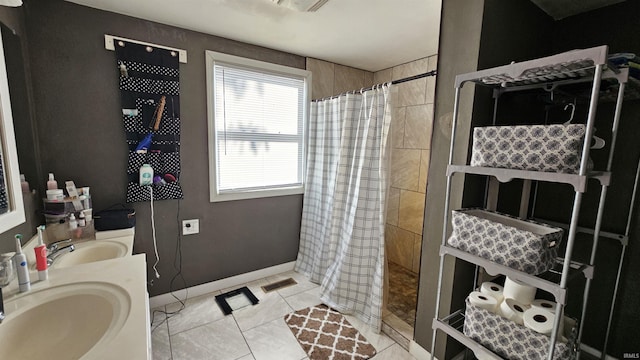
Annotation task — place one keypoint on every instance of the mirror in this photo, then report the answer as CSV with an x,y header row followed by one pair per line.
x,y
11,202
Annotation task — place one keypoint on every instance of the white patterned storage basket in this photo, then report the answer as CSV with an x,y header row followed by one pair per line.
x,y
513,341
523,245
549,148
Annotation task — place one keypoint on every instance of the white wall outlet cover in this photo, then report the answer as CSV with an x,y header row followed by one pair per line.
x,y
190,227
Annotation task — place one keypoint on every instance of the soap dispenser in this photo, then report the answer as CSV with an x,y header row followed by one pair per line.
x,y
24,283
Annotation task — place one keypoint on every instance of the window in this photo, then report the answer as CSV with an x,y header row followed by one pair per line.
x,y
257,120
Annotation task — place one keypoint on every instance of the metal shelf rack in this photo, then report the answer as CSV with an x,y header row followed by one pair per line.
x,y
548,73
452,326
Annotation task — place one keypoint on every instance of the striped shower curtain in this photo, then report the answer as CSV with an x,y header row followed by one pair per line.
x,y
343,216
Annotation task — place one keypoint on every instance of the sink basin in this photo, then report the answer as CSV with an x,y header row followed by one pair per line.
x,y
63,322
91,251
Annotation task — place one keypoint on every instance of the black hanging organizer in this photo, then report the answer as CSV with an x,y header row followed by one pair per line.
x,y
150,76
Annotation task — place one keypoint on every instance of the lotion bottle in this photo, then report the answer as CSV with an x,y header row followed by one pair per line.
x,y
41,256
21,264
52,184
146,175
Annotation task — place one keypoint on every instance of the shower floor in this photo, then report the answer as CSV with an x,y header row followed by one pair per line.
x,y
403,293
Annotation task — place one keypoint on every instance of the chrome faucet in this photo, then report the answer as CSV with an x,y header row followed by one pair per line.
x,y
54,254
53,247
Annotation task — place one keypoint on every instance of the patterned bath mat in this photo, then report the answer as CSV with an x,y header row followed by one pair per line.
x,y
325,334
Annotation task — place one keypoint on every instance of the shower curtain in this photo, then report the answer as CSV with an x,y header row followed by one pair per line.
x,y
343,216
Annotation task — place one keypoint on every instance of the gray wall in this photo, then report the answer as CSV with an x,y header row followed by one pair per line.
x,y
458,53
77,106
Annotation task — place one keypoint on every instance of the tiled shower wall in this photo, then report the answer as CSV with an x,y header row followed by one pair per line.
x,y
333,79
411,138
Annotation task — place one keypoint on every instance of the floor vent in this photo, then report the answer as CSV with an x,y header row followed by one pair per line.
x,y
279,285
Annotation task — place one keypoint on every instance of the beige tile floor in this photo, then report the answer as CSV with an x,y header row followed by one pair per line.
x,y
202,331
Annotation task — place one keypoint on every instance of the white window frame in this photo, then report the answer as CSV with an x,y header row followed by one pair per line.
x,y
212,58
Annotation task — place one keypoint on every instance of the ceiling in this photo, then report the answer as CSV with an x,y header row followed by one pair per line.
x,y
365,34
560,9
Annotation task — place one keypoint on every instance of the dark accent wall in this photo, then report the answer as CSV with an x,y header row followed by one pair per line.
x,y
78,116
616,26
516,31
511,31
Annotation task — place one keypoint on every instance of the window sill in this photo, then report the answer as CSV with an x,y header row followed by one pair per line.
x,y
256,194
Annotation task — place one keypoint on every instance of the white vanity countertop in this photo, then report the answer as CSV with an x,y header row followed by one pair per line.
x,y
128,273
27,248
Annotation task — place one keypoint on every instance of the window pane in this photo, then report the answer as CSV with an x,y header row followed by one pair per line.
x,y
258,164
258,125
257,102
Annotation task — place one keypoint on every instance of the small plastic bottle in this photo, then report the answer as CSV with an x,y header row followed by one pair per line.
x,y
24,184
73,223
82,222
52,184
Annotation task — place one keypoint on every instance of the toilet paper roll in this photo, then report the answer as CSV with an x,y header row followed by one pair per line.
x,y
544,304
539,320
519,291
513,310
483,301
490,274
492,289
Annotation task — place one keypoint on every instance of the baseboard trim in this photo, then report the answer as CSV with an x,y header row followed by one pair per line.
x,y
595,352
165,299
418,351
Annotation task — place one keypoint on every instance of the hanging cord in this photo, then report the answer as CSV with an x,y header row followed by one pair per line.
x,y
153,232
177,260
177,264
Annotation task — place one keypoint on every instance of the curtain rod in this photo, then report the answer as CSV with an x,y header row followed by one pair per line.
x,y
394,82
